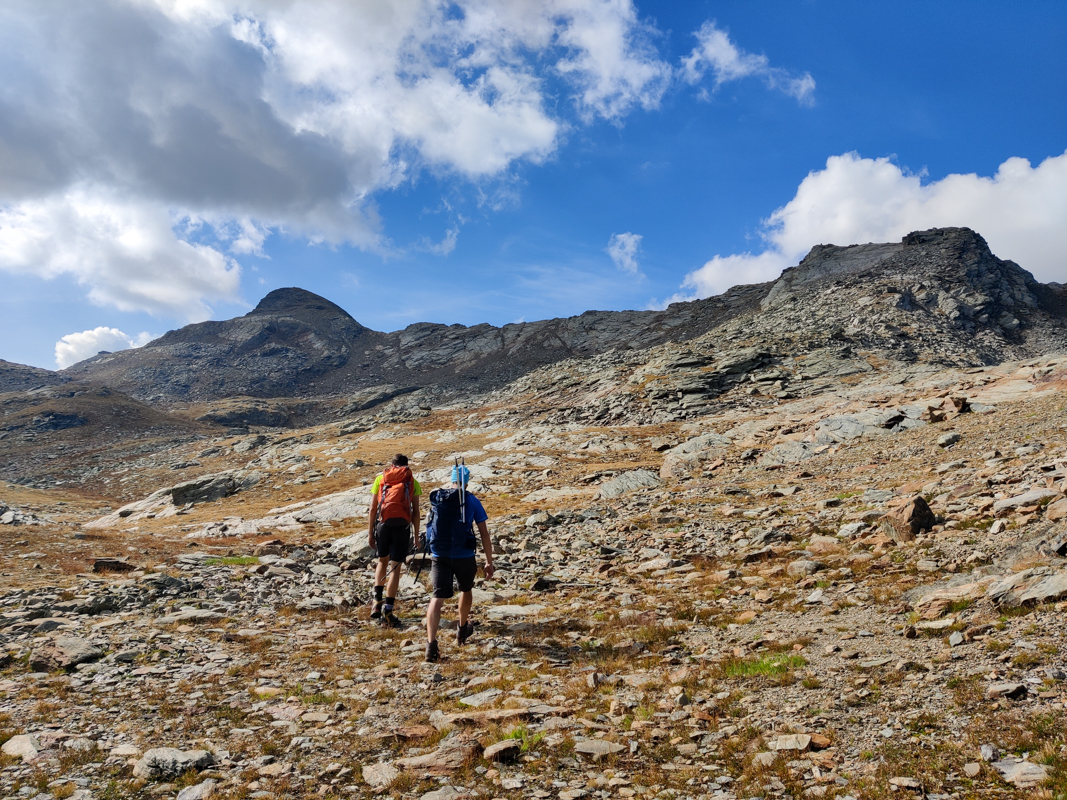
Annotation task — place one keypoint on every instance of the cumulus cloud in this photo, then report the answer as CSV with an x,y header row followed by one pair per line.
x,y
125,251
240,118
728,62
1021,211
75,347
622,247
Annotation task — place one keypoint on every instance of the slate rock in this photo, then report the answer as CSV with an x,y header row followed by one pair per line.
x,y
170,762
200,791
628,482
597,747
452,754
380,775
25,746
64,652
908,521
1033,497
1028,587
113,565
1022,774
787,454
502,751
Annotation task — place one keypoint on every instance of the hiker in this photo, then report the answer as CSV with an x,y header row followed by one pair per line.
x,y
450,537
394,509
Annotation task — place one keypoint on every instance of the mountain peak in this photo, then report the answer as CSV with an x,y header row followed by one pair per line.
x,y
293,300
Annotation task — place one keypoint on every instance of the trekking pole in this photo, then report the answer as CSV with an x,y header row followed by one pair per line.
x,y
462,491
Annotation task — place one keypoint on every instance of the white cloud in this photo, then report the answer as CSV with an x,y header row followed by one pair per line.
x,y
728,62
241,118
1021,211
75,347
623,247
125,251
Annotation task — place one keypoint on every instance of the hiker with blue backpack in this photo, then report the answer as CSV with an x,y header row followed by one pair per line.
x,y
452,544
394,510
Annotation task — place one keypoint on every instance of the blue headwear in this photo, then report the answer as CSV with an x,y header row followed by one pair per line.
x,y
457,472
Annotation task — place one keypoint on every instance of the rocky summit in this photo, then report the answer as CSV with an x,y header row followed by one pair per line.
x,y
806,539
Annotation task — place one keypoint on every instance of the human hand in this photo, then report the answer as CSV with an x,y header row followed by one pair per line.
x,y
490,570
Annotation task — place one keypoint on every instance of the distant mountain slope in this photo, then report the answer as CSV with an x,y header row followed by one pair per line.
x,y
965,303
22,378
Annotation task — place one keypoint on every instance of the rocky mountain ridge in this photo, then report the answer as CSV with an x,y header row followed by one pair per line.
x,y
943,283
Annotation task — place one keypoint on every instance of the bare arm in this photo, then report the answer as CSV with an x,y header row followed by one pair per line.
x,y
372,518
415,521
487,548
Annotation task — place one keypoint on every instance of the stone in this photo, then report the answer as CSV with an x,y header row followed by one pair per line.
x,y
902,782
1033,497
481,698
1029,587
446,792
1056,511
499,613
200,791
1021,774
1012,691
803,567
353,547
452,754
64,652
971,769
948,439
191,616
628,482
909,520
170,762
597,747
503,751
787,454
25,746
113,565
798,742
442,721
379,775
765,760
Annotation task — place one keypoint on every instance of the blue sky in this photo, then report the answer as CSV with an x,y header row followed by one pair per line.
x,y
472,162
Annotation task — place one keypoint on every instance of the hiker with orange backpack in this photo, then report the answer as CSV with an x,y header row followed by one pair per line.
x,y
394,509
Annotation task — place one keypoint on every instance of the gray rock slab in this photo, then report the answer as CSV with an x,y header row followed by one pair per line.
x,y
786,454
628,482
481,698
1022,774
597,747
200,791
170,762
379,775
25,746
64,652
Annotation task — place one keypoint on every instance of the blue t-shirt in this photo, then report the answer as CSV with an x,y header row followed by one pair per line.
x,y
474,513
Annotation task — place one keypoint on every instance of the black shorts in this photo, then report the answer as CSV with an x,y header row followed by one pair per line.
x,y
393,539
444,570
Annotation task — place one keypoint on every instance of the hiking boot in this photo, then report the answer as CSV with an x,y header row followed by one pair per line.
x,y
464,632
376,610
390,620
432,653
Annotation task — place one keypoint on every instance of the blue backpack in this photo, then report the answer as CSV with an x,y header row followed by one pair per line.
x,y
447,529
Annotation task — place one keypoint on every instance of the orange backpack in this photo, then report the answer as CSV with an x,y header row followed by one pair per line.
x,y
394,498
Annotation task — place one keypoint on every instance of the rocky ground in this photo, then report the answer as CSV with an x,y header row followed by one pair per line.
x,y
821,578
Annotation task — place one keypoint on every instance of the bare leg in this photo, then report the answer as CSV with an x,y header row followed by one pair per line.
x,y
394,577
466,599
433,618
379,571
